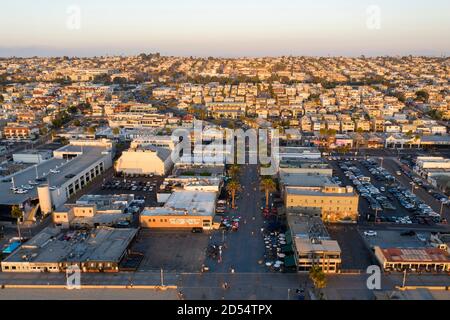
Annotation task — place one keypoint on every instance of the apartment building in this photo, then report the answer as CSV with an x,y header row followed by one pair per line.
x,y
312,244
19,131
337,203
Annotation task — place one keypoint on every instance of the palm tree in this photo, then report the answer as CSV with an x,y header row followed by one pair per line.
x,y
318,278
17,213
234,171
233,187
269,186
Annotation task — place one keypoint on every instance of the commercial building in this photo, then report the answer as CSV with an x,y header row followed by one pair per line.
x,y
305,166
432,168
98,250
183,210
166,142
338,204
135,120
70,170
94,210
32,156
144,161
312,244
298,153
413,259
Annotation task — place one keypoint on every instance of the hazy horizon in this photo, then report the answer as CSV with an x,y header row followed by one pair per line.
x,y
233,29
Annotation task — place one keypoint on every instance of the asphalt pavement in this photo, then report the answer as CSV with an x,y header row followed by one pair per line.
x,y
244,248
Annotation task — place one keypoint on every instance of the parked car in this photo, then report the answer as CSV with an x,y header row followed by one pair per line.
x,y
370,233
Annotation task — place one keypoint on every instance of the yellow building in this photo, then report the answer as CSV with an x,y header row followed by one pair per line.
x,y
183,210
337,203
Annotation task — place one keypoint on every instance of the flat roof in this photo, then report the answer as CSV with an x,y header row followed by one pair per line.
x,y
304,163
308,245
304,179
87,156
307,226
53,246
185,203
300,192
419,255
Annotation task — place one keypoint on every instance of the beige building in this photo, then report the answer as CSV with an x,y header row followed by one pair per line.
x,y
337,203
413,259
183,210
94,210
144,161
312,244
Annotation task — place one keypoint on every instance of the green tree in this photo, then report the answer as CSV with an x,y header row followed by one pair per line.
x,y
234,171
91,130
422,95
268,185
17,214
72,109
116,131
318,278
331,132
233,187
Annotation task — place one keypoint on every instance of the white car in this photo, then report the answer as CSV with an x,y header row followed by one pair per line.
x,y
370,233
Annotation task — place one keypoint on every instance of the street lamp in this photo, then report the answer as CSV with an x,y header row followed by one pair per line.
x,y
404,278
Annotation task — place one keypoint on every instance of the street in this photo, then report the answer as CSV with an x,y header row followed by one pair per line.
x,y
244,248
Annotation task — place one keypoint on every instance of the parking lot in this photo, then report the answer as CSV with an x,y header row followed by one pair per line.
x,y
108,183
177,251
355,254
397,239
382,198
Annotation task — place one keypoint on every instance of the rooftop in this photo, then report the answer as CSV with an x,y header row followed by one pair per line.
x,y
52,245
182,203
308,245
304,179
416,255
320,193
307,227
85,157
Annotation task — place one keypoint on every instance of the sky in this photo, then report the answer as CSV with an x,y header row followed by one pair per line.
x,y
230,28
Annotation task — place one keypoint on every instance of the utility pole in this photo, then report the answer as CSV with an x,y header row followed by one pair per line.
x,y
404,279
162,277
